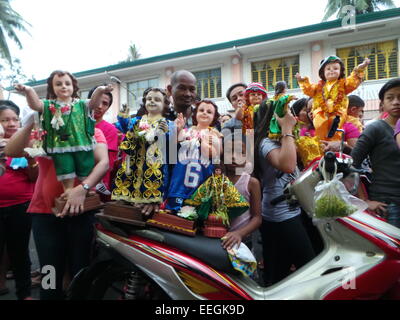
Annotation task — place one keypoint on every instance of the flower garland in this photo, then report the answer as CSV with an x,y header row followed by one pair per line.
x,y
323,101
64,110
147,129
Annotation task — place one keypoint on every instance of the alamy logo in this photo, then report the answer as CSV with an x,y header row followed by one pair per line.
x,y
48,277
349,279
349,20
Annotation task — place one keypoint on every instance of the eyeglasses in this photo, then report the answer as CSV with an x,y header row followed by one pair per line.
x,y
9,120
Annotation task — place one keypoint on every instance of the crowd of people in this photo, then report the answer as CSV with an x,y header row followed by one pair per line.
x,y
126,163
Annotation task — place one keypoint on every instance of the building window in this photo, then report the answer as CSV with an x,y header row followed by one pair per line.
x,y
84,94
135,93
208,83
383,56
269,72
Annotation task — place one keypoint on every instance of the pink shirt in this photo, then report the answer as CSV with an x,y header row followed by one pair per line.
x,y
47,186
111,135
15,187
350,131
397,130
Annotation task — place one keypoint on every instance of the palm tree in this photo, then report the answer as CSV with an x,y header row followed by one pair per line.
x,y
361,6
134,53
10,21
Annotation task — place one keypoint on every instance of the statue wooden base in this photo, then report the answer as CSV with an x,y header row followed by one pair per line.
x,y
172,223
92,202
118,211
214,227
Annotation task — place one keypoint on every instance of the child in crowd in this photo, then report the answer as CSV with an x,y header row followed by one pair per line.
x,y
378,143
249,187
200,148
301,109
329,95
143,176
355,111
255,93
224,118
69,125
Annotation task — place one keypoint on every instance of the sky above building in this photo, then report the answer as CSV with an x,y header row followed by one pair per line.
x,y
79,35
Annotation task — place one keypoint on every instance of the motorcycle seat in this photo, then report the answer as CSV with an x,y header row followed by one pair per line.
x,y
208,250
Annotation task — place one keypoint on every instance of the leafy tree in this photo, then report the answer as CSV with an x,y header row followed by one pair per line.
x,y
10,21
133,54
361,6
11,73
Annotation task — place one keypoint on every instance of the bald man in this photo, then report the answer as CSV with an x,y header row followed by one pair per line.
x,y
182,89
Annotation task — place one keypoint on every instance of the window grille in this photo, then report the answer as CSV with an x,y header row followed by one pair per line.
x,y
383,56
137,88
208,83
269,72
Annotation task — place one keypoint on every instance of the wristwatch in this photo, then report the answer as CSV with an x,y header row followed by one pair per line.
x,y
86,186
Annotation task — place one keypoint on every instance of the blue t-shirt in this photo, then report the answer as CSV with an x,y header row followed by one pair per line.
x,y
186,177
273,183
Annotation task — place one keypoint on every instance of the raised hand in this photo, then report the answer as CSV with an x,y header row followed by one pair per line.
x,y
365,63
180,122
287,122
299,77
106,89
21,88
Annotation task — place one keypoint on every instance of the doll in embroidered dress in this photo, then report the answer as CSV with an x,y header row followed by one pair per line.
x,y
329,95
254,94
68,124
142,178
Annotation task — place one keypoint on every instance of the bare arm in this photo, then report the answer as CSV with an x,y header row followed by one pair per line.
x,y
31,97
101,167
97,95
235,237
76,196
19,141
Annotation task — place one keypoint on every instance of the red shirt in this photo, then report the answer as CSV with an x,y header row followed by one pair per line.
x,y
15,187
47,186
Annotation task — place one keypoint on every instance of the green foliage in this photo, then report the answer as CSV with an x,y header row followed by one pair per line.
x,y
133,54
361,7
330,206
10,21
12,72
